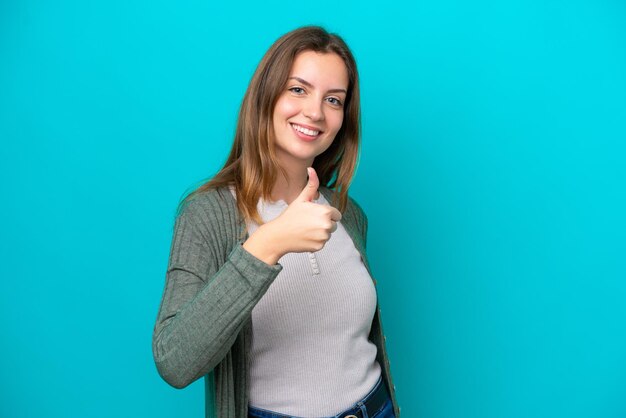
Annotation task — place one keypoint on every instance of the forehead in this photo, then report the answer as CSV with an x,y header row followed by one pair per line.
x,y
323,70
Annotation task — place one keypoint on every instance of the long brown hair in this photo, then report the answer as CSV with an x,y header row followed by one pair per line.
x,y
252,167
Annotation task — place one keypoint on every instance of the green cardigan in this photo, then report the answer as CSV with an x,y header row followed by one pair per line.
x,y
203,327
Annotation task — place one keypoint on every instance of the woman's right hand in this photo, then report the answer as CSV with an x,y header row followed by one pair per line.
x,y
304,226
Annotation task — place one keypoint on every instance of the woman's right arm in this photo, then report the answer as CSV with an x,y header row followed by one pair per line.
x,y
206,301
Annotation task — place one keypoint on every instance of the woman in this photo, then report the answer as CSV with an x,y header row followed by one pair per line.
x,y
268,290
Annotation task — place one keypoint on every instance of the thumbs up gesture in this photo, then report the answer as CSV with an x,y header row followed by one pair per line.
x,y
310,191
304,226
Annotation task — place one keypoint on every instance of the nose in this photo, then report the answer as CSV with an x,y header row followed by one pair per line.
x,y
313,109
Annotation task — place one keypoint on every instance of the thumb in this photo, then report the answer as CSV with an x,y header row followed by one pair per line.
x,y
309,192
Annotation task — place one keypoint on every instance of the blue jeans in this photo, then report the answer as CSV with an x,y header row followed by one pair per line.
x,y
386,411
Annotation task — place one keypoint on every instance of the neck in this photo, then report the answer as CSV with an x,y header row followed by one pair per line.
x,y
289,189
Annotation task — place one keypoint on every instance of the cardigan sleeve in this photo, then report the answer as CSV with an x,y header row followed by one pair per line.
x,y
206,301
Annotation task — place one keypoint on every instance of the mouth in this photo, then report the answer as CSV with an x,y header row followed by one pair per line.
x,y
304,132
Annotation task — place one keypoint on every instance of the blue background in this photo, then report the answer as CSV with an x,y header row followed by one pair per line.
x,y
492,173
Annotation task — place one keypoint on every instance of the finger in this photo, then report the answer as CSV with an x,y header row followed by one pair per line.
x,y
309,192
335,215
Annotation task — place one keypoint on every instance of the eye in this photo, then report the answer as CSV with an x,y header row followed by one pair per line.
x,y
296,90
335,101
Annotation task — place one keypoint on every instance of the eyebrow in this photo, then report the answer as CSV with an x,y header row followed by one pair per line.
x,y
306,83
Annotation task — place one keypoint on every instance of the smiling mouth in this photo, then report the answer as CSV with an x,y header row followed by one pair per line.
x,y
306,131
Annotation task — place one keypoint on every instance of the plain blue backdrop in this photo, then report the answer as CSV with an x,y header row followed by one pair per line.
x,y
492,172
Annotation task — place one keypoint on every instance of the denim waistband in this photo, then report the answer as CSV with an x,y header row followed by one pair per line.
x,y
264,413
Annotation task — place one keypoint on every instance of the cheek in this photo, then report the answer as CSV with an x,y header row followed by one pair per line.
x,y
285,108
337,120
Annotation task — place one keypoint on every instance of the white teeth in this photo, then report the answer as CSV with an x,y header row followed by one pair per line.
x,y
305,130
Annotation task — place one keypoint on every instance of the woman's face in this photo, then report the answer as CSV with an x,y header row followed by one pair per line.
x,y
309,112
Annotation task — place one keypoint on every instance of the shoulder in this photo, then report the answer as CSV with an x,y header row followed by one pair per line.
x,y
208,204
210,217
358,210
353,207
353,213
360,217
